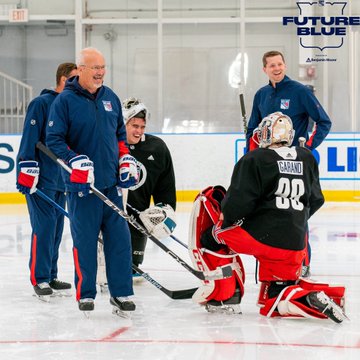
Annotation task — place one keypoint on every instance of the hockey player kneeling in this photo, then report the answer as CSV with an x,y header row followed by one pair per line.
x,y
159,220
273,192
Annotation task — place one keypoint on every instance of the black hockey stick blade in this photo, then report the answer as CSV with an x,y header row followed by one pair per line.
x,y
173,294
219,273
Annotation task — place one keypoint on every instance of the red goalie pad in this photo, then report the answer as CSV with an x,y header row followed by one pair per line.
x,y
205,213
291,301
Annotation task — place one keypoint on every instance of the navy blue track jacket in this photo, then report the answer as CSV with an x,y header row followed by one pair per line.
x,y
81,123
296,101
34,131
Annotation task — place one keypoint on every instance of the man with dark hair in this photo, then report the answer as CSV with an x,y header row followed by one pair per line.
x,y
291,98
37,170
157,178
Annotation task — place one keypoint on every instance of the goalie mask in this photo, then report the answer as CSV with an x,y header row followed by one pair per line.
x,y
133,107
275,128
159,220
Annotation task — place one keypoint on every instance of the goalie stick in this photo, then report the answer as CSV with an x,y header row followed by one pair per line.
x,y
221,272
173,294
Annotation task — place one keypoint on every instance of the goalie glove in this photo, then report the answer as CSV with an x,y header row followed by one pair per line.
x,y
82,174
128,171
159,220
28,176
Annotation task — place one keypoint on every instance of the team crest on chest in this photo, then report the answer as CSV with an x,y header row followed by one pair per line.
x,y
284,104
107,105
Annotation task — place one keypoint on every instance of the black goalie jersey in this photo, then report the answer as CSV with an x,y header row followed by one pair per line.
x,y
157,177
274,192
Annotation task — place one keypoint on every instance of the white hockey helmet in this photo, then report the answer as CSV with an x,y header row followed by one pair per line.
x,y
133,107
276,128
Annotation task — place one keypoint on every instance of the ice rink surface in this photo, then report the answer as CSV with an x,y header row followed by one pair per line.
x,y
167,329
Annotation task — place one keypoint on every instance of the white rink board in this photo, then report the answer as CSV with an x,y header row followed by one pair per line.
x,y
201,160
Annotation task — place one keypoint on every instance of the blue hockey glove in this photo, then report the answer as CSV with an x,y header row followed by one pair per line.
x,y
128,171
82,175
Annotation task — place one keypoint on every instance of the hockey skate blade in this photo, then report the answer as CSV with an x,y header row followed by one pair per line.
x,y
234,309
121,313
43,298
61,293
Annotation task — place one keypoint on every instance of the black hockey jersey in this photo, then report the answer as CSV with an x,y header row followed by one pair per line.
x,y
157,176
274,192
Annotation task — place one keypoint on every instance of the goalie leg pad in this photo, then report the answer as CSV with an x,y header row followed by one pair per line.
x,y
218,290
337,293
296,302
205,213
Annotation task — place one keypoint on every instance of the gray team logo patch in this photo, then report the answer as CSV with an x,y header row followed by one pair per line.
x,y
33,122
51,123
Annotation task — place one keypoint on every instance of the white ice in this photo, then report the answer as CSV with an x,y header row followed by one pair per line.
x,y
162,328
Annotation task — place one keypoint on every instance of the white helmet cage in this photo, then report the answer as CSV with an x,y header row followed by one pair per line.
x,y
133,107
276,128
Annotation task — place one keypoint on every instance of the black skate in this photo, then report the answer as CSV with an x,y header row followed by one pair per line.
x,y
86,305
323,303
122,306
60,288
229,306
43,291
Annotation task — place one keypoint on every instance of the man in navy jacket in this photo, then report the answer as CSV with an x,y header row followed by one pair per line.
x,y
291,98
86,130
36,170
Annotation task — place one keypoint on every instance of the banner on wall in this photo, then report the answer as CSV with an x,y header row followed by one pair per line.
x,y
201,160
9,147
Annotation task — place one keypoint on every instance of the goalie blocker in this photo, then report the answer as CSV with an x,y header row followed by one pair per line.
x,y
298,298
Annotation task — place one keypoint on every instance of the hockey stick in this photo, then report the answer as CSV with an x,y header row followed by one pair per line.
x,y
243,110
236,81
51,202
221,272
173,294
125,193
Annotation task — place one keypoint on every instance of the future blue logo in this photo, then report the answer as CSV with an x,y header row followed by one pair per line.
x,y
333,27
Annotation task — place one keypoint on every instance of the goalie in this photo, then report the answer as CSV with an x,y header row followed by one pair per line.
x,y
273,192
